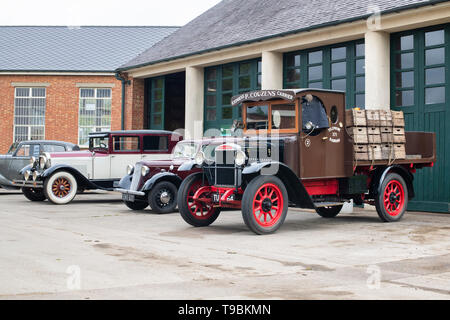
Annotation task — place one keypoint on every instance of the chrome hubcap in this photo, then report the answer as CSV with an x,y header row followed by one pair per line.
x,y
165,197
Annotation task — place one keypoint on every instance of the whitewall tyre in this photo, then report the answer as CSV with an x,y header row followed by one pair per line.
x,y
61,188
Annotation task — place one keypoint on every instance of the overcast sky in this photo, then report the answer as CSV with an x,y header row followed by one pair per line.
x,y
102,12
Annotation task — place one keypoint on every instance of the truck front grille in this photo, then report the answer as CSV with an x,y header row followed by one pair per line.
x,y
136,177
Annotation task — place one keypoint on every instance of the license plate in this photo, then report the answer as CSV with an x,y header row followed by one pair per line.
x,y
216,198
128,197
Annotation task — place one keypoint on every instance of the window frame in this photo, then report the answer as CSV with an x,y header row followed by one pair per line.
x,y
112,141
102,128
269,104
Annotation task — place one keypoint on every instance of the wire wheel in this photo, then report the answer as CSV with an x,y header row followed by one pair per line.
x,y
394,198
61,187
268,205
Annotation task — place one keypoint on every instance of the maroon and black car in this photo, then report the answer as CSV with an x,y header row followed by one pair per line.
x,y
156,183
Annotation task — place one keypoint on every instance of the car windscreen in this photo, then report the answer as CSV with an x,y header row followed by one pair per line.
x,y
185,150
98,143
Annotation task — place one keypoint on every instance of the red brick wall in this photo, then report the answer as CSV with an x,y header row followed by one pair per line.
x,y
134,105
61,119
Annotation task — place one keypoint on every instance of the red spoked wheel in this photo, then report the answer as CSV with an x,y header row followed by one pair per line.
x,y
392,201
198,212
265,204
61,187
268,205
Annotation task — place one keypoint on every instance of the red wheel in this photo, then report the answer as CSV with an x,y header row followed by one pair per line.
x,y
200,212
392,201
265,204
61,187
268,205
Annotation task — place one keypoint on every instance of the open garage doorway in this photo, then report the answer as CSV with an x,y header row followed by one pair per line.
x,y
165,102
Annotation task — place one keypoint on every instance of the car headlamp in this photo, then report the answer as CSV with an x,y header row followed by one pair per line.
x,y
27,175
35,175
32,160
240,158
199,158
145,171
43,162
130,169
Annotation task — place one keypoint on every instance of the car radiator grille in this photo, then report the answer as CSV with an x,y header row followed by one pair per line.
x,y
136,178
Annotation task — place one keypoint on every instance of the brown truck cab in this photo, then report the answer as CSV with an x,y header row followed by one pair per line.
x,y
296,151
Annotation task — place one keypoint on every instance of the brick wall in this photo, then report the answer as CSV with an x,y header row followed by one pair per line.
x,y
134,104
61,119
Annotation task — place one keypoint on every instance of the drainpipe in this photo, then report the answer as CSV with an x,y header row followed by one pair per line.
x,y
124,83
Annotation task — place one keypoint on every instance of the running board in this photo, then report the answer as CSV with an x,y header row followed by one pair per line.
x,y
328,204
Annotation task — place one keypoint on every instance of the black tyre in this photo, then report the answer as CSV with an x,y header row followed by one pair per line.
x,y
392,201
61,188
163,197
34,195
265,205
329,212
194,213
136,206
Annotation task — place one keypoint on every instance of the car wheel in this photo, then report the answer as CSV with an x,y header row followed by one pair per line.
x,y
163,197
265,204
136,206
61,188
329,212
34,194
392,202
195,213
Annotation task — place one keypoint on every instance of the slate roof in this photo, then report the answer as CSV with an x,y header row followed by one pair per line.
x,y
236,22
50,48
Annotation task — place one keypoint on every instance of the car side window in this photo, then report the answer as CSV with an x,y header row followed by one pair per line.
x,y
53,148
126,144
314,115
156,143
27,150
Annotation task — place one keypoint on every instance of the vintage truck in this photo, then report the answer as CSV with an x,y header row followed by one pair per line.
x,y
59,176
297,151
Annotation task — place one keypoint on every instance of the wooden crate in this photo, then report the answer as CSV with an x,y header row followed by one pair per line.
x,y
387,138
387,151
373,118
398,119
358,134
385,118
374,151
399,151
355,118
360,152
399,136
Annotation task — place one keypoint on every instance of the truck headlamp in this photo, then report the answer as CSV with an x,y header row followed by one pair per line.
x,y
240,158
145,171
199,158
130,169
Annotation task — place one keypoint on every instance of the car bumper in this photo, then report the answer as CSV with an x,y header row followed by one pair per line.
x,y
28,184
129,195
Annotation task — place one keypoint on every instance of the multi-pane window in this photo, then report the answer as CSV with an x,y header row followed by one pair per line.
x,y
157,103
435,67
338,67
95,113
221,84
404,71
29,114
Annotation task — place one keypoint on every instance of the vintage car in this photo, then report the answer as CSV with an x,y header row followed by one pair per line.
x,y
59,176
21,154
297,152
156,183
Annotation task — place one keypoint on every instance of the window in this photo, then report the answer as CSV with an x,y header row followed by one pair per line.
x,y
314,115
281,117
185,150
99,143
29,114
27,150
95,113
221,84
126,144
338,67
53,148
156,143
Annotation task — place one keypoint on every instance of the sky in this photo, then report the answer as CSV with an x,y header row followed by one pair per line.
x,y
102,12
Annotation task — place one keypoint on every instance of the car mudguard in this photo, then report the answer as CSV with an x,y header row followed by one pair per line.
x,y
81,179
187,166
125,182
5,182
24,169
296,190
405,174
163,176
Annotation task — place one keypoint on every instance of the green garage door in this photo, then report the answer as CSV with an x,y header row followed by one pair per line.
x,y
420,88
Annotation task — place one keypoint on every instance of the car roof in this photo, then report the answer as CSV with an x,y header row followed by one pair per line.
x,y
47,142
154,132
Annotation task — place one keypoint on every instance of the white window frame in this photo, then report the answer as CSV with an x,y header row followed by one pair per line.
x,y
30,96
95,128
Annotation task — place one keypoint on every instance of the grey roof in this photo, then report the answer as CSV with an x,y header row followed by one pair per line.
x,y
236,22
50,48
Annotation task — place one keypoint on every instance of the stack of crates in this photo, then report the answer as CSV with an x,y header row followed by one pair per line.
x,y
377,134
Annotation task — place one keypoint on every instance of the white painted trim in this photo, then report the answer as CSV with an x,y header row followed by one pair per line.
x,y
30,84
34,73
96,85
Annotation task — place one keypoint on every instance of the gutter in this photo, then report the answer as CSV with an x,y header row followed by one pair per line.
x,y
124,83
284,34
